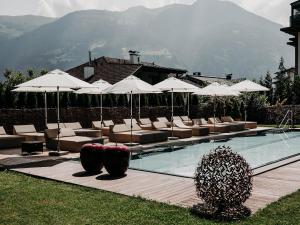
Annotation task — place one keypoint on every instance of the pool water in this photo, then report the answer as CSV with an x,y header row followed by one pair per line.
x,y
257,150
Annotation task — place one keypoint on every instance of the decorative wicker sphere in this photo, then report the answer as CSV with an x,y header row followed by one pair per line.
x,y
223,178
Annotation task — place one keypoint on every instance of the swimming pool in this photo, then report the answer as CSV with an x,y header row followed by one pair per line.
x,y
257,150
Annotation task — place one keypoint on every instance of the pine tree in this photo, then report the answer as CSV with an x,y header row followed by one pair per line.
x,y
283,82
268,82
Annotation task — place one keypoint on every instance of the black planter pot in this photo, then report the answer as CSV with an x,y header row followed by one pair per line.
x,y
116,160
91,156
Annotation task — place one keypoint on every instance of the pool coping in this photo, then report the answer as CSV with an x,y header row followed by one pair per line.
x,y
196,140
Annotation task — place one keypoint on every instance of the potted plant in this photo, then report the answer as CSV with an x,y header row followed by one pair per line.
x,y
116,160
91,156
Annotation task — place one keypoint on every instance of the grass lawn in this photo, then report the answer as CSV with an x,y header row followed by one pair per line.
x,y
27,200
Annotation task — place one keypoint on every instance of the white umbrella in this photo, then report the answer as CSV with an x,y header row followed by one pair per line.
x,y
41,90
248,86
131,86
99,89
56,79
216,90
172,85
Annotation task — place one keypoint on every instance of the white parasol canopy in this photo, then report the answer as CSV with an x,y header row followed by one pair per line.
x,y
132,85
217,90
56,79
176,85
99,89
248,86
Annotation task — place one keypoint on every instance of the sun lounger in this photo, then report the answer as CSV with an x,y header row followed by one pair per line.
x,y
186,120
197,130
79,131
68,140
105,126
29,132
248,124
177,132
213,128
134,121
145,122
176,118
54,125
9,141
233,126
164,120
121,133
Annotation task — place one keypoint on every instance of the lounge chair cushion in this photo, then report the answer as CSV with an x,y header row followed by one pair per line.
x,y
202,122
227,119
212,120
159,125
96,124
145,121
2,131
108,123
185,118
177,118
128,121
67,132
74,126
19,129
163,119
54,125
120,128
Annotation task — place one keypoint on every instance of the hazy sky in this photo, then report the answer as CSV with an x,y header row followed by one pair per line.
x,y
276,10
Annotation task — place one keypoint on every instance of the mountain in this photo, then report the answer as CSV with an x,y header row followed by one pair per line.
x,y
14,26
211,36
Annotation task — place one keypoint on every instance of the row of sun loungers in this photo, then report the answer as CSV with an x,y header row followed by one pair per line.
x,y
144,131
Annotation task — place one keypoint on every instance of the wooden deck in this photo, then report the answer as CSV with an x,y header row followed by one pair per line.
x,y
268,187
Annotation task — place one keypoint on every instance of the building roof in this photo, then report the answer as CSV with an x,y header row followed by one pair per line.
x,y
204,80
114,70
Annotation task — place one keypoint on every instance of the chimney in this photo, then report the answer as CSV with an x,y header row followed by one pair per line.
x,y
134,57
90,58
229,76
197,73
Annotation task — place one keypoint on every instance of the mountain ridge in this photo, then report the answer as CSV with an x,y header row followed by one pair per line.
x,y
229,40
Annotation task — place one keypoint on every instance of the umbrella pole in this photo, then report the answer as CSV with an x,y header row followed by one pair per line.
x,y
215,114
188,106
245,108
58,121
131,118
46,114
172,109
139,106
101,114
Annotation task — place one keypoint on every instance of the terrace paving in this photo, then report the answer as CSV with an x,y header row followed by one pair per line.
x,y
268,185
